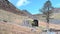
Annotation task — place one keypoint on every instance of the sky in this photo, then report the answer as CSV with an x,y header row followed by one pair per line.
x,y
33,6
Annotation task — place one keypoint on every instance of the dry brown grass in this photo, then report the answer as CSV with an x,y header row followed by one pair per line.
x,y
11,17
13,28
54,26
7,28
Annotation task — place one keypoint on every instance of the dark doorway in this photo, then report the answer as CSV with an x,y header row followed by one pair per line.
x,y
35,23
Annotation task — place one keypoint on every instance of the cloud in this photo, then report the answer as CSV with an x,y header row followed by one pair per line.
x,y
22,2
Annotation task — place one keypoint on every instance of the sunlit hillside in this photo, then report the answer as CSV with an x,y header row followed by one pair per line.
x,y
11,17
9,13
56,16
9,28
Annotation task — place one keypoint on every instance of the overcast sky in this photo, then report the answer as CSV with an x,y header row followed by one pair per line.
x,y
33,6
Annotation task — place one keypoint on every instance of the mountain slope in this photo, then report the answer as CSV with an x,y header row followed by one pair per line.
x,y
6,5
9,13
11,17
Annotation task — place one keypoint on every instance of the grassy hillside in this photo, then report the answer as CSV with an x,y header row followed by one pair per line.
x,y
8,28
56,16
54,26
11,17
